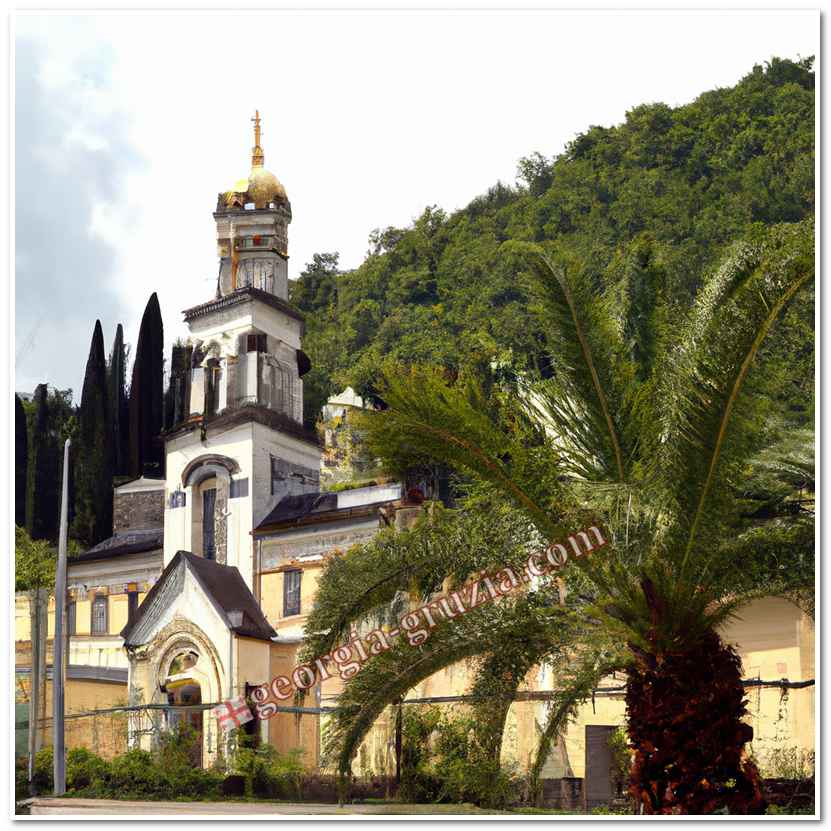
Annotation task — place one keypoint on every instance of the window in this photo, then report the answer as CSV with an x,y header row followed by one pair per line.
x,y
213,380
208,516
256,343
70,618
291,592
132,605
99,615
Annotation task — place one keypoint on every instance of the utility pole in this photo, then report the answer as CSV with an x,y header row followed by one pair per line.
x,y
58,651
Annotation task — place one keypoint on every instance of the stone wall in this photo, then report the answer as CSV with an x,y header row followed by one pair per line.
x,y
138,510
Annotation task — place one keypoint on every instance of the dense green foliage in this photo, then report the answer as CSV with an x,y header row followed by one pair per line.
x,y
166,773
146,394
93,453
657,197
21,461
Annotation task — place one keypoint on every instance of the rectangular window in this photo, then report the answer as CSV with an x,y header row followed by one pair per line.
x,y
70,617
291,592
99,615
256,342
132,605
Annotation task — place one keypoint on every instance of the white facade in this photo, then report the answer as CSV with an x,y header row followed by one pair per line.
x,y
240,446
252,447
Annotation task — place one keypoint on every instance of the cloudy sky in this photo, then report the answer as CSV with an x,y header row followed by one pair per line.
x,y
127,127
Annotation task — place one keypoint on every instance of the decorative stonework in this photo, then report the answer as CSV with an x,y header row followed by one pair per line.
x,y
221,521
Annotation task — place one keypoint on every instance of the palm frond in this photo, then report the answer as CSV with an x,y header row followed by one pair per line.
x,y
776,558
702,433
579,338
484,533
429,420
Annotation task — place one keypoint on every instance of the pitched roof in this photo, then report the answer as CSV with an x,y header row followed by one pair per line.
x,y
127,542
300,505
224,585
306,507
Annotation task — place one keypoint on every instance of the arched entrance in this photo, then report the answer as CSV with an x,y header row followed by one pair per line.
x,y
183,688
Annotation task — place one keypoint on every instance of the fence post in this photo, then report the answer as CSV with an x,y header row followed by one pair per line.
x,y
398,742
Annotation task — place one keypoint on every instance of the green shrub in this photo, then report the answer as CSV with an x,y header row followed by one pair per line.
x,y
134,774
85,770
621,752
789,763
786,810
267,772
42,781
466,770
442,761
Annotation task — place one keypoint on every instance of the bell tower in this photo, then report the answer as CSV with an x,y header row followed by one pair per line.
x,y
252,221
238,445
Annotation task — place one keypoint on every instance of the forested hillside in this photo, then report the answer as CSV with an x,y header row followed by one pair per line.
x,y
641,207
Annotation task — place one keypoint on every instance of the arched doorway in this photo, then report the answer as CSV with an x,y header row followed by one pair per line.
x,y
184,691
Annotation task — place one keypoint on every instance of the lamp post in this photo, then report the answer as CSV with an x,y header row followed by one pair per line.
x,y
58,652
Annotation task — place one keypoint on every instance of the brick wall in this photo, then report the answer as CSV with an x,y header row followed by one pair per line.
x,y
142,510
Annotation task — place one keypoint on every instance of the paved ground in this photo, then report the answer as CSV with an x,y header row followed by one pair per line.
x,y
52,805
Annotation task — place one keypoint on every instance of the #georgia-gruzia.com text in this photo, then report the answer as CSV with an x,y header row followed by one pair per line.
x,y
416,625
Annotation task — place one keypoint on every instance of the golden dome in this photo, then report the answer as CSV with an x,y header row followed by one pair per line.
x,y
262,187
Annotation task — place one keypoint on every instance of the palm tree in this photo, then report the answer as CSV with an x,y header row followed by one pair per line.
x,y
644,423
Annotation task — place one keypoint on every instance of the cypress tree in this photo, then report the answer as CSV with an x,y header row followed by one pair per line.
x,y
119,410
41,505
94,450
147,394
21,462
52,420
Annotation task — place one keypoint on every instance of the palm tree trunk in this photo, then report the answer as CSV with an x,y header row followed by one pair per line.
x,y
685,725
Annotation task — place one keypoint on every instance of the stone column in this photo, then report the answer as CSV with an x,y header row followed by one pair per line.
x,y
221,520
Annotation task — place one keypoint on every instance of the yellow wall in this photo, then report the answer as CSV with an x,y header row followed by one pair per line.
x,y
287,731
22,621
271,596
252,661
105,734
117,613
83,619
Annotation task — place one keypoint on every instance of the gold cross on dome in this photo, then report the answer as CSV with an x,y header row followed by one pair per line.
x,y
256,121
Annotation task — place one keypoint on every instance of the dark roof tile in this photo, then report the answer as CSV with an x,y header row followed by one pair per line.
x,y
225,585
